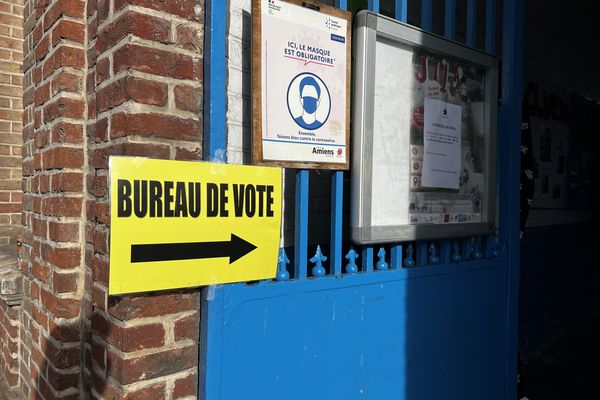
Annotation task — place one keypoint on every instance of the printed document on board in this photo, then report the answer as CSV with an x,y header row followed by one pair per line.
x,y
442,144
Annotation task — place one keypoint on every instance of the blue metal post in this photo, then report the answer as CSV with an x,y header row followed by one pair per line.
x,y
301,225
337,204
466,249
490,47
449,20
374,5
402,10
510,143
426,24
211,345
215,84
471,22
421,253
449,33
367,259
445,251
215,149
396,256
426,15
490,26
343,4
489,246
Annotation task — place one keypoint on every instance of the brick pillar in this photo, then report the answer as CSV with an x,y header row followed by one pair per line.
x,y
145,99
11,107
105,77
54,164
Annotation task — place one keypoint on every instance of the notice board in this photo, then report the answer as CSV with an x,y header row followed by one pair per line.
x,y
300,84
424,135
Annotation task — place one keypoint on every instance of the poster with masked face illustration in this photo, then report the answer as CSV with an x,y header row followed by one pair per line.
x,y
300,85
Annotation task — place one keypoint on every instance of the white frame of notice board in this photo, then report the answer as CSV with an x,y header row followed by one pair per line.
x,y
306,50
387,206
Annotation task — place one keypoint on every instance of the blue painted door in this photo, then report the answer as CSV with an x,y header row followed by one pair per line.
x,y
413,331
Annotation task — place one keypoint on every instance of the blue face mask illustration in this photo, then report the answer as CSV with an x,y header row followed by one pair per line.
x,y
309,95
310,104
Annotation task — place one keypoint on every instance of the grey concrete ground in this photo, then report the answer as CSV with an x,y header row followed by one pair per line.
x,y
567,370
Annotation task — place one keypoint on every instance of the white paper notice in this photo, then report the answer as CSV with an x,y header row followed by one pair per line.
x,y
442,139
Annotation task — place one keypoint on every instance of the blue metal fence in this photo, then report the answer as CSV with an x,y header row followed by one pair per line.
x,y
406,259
421,253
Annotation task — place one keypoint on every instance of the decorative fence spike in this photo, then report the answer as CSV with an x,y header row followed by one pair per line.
x,y
318,259
433,257
282,261
475,250
408,261
351,267
381,264
456,252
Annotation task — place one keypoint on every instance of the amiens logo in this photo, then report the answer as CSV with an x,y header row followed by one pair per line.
x,y
322,151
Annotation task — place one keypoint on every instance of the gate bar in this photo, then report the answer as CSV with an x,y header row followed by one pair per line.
x,y
471,22
449,20
367,259
401,10
449,33
510,144
301,225
343,4
374,5
396,256
426,15
337,204
337,207
215,85
490,26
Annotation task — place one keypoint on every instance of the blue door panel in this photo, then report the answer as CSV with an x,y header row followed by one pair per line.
x,y
364,337
438,332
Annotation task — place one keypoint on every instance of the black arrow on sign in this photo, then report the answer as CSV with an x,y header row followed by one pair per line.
x,y
235,249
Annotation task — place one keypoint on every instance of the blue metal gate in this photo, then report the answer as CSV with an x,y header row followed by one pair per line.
x,y
420,329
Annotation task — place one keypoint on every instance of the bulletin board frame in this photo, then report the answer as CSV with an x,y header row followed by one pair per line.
x,y
258,156
369,29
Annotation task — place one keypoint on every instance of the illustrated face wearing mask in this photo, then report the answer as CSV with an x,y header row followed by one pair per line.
x,y
310,95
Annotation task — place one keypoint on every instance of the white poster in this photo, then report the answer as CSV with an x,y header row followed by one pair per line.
x,y
303,84
442,145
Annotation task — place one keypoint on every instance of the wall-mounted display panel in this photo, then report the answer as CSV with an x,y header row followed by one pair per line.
x,y
424,135
300,84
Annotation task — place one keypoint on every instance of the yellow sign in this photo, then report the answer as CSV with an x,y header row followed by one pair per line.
x,y
178,224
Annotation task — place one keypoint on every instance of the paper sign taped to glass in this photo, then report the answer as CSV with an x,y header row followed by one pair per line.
x,y
425,129
451,183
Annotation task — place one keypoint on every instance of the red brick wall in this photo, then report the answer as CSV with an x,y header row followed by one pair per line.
x,y
105,77
9,343
11,106
54,165
145,82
